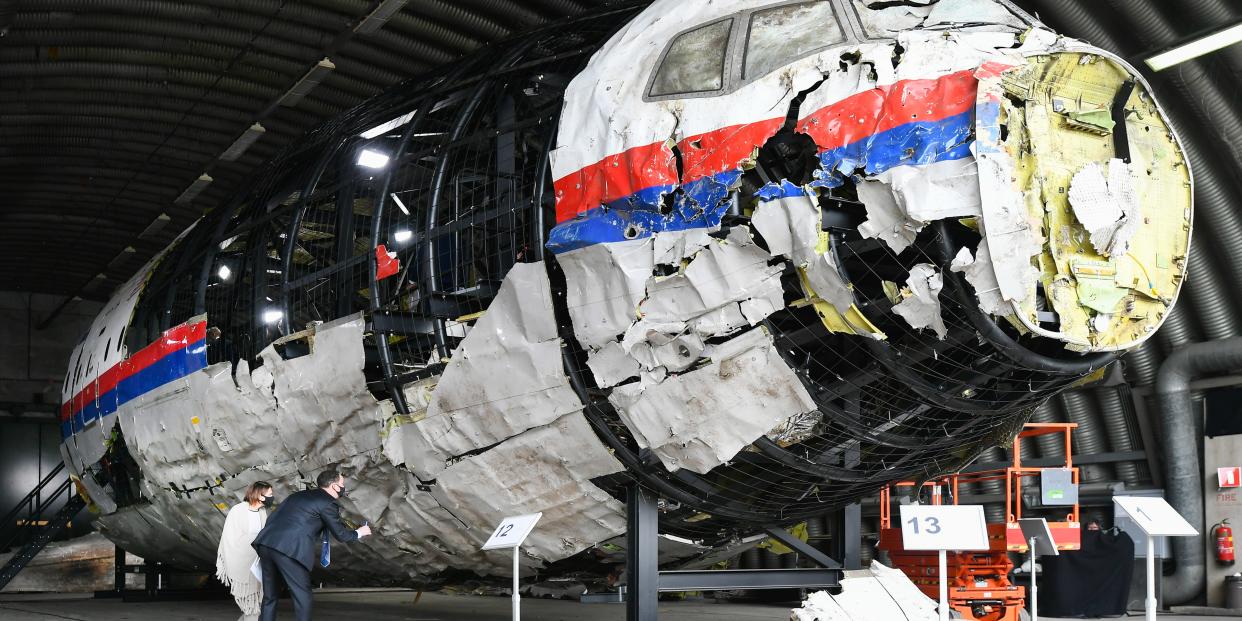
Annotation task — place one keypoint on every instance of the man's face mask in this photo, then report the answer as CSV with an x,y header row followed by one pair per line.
x,y
340,491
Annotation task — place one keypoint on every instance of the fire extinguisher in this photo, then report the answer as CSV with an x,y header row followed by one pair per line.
x,y
1224,543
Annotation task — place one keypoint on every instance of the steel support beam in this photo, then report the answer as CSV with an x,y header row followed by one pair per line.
x,y
642,566
645,581
802,547
851,514
745,579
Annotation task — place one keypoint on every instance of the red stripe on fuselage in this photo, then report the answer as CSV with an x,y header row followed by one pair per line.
x,y
881,109
614,177
847,121
716,151
171,340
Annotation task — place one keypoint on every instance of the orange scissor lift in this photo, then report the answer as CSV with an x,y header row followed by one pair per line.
x,y
979,586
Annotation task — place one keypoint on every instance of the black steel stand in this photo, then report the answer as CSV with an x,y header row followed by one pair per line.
x,y
155,583
645,581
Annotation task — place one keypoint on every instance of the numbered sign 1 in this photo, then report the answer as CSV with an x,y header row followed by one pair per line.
x,y
1155,516
512,531
943,527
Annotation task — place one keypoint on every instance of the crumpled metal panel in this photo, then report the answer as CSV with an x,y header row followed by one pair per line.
x,y
879,593
920,306
604,284
200,440
545,469
505,377
702,418
792,228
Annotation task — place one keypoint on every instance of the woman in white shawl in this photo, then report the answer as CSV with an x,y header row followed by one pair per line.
x,y
235,556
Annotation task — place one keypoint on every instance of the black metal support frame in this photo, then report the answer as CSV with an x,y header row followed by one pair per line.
x,y
155,583
645,581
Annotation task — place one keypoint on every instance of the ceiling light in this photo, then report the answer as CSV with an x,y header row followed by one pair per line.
x,y
158,223
372,159
402,236
120,258
400,204
243,142
224,272
379,16
194,189
388,126
1206,44
307,84
272,315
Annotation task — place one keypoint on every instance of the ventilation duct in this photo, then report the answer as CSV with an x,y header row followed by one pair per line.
x,y
1184,475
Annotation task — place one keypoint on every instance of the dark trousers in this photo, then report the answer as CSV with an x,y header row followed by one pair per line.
x,y
276,565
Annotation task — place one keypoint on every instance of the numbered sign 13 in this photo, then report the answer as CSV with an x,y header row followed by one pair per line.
x,y
943,527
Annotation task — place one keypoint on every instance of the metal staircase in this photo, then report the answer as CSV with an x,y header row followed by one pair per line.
x,y
35,529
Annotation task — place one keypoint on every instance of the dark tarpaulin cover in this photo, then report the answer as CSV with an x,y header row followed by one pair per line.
x,y
1091,582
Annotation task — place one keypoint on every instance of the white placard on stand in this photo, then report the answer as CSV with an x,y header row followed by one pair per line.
x,y
1157,518
511,532
1039,543
943,528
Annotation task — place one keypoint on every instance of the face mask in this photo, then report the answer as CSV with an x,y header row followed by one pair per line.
x,y
269,501
341,492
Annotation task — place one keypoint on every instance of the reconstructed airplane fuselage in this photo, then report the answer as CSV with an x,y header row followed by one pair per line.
x,y
760,258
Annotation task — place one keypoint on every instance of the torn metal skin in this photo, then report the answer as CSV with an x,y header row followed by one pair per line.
x,y
200,440
879,592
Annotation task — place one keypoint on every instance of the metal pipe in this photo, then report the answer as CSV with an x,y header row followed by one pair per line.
x,y
1050,445
1112,408
1089,436
1184,476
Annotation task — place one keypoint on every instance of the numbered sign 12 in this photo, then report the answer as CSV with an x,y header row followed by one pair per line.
x,y
512,531
943,527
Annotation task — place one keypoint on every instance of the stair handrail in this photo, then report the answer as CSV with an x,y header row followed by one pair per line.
x,y
26,503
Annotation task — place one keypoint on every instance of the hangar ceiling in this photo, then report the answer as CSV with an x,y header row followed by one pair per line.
x,y
110,109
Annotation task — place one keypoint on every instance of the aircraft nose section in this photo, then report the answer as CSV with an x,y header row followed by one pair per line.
x,y
1086,198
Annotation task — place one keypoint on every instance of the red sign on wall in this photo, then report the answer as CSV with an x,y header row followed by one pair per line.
x,y
1229,477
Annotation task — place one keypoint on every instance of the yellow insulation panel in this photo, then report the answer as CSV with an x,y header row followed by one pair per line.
x,y
1057,115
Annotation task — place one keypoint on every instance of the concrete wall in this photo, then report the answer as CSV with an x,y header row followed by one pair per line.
x,y
32,361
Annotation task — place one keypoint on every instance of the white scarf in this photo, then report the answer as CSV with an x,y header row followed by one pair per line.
x,y
235,556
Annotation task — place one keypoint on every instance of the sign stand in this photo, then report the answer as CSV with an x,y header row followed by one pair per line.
x,y
943,528
944,585
511,532
1157,519
1040,542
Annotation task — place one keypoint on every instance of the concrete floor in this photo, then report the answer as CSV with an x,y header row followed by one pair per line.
x,y
386,605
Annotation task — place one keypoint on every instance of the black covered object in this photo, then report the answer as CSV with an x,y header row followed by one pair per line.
x,y
1091,582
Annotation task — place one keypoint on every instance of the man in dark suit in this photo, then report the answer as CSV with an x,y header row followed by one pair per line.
x,y
295,536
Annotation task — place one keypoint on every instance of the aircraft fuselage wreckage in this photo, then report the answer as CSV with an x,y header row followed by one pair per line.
x,y
761,258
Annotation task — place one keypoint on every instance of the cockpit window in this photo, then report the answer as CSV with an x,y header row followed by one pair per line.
x,y
786,33
883,19
695,61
